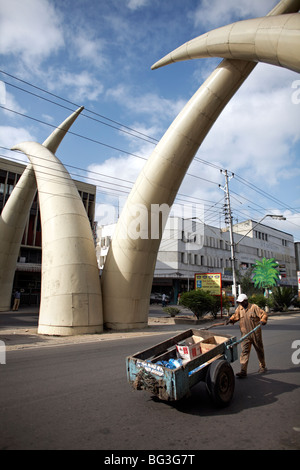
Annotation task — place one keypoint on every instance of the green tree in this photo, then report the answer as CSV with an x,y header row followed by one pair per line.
x,y
217,304
198,301
265,273
259,299
244,278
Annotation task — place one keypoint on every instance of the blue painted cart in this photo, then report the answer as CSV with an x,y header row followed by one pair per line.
x,y
147,370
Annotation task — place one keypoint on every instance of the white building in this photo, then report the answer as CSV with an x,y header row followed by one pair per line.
x,y
189,247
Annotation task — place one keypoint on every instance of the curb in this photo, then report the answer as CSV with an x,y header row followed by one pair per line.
x,y
28,338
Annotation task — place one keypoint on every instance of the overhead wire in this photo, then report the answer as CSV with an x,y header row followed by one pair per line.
x,y
133,132
123,126
100,184
96,141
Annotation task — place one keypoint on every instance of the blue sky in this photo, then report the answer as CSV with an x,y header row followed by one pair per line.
x,y
98,54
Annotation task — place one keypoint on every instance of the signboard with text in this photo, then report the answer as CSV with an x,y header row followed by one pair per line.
x,y
209,281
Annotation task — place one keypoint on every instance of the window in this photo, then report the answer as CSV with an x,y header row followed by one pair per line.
x,y
261,235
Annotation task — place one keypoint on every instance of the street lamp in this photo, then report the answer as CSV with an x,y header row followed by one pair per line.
x,y
273,216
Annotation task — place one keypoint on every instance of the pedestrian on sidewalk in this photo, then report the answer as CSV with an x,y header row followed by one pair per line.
x,y
17,297
250,315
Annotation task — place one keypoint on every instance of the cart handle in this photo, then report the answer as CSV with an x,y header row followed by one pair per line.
x,y
214,325
244,337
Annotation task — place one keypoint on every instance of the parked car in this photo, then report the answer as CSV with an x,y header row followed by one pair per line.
x,y
156,298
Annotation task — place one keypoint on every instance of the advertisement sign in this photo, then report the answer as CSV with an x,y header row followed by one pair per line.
x,y
209,281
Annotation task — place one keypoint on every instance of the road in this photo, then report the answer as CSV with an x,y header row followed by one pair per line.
x,y
76,397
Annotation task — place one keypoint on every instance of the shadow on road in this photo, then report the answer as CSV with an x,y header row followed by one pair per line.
x,y
255,391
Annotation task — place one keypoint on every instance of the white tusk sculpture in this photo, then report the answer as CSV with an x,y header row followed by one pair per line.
x,y
129,268
12,224
15,213
71,301
274,40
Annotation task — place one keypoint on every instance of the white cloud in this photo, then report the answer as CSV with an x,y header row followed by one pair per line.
x,y
87,48
254,136
10,136
156,107
120,175
215,13
258,128
11,103
122,172
135,4
81,86
30,29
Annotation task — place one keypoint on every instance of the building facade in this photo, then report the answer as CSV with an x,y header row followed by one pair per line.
x,y
28,270
189,247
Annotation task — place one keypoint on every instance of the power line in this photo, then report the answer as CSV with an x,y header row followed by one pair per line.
x,y
74,104
122,129
120,188
153,140
96,141
72,133
137,134
262,192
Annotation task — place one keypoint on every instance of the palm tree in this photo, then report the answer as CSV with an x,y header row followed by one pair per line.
x,y
266,273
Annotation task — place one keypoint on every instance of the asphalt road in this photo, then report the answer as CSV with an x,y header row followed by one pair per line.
x,y
77,397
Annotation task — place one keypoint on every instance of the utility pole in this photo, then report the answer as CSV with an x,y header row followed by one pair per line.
x,y
229,219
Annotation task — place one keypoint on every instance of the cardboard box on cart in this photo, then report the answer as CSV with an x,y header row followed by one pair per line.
x,y
194,346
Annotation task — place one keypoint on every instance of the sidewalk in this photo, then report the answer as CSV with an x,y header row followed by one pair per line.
x,y
20,337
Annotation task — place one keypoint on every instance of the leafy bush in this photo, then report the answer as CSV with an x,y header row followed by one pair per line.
x,y
282,298
226,304
172,311
296,303
258,299
201,302
198,301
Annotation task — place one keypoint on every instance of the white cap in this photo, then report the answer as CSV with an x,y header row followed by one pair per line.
x,y
241,298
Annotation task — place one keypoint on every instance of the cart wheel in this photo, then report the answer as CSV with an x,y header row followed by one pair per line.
x,y
220,382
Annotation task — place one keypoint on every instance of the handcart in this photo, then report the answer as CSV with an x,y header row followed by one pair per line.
x,y
161,371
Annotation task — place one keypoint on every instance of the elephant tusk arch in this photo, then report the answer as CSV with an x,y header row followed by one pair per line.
x,y
272,39
54,139
128,272
71,299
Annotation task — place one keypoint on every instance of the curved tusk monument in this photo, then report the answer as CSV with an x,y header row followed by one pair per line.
x,y
71,301
129,268
273,40
12,224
